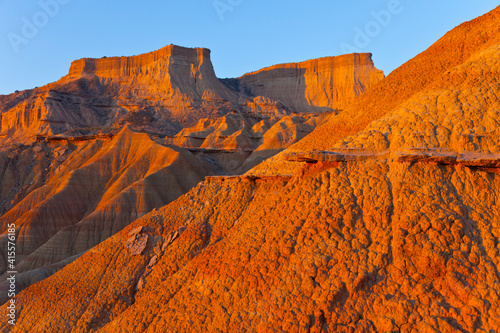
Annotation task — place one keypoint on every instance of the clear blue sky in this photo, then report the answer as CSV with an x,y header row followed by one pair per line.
x,y
244,35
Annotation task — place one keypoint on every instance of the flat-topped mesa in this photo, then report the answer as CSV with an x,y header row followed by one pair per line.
x,y
174,86
173,72
314,85
135,65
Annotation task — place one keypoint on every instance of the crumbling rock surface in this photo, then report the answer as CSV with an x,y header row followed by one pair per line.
x,y
137,241
358,227
332,156
439,156
366,246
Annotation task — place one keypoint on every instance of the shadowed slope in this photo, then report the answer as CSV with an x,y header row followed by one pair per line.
x,y
82,205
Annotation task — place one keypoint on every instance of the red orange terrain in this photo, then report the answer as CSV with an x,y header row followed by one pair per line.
x,y
385,218
116,138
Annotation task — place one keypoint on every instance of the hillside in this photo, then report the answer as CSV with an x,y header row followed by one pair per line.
x,y
88,192
385,218
118,137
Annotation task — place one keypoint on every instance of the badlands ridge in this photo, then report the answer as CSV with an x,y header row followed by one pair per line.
x,y
83,157
383,218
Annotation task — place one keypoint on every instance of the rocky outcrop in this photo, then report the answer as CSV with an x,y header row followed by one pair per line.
x,y
333,156
317,85
444,98
465,159
488,162
137,242
453,61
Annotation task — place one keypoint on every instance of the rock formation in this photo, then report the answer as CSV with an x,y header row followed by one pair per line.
x,y
324,84
237,142
158,92
453,74
57,140
384,218
166,90
370,234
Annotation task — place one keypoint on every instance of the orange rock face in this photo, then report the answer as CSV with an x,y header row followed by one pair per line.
x,y
237,142
50,134
158,92
427,70
117,67
314,85
445,97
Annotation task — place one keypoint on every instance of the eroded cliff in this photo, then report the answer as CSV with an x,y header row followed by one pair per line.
x,y
324,84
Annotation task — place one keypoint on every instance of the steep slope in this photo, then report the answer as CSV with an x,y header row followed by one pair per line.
x,y
459,111
324,84
364,247
97,190
450,51
360,239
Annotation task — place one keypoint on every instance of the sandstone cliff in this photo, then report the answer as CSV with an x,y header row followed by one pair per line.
x,y
158,92
448,86
317,85
166,90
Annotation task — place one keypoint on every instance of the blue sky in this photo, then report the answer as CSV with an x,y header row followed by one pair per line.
x,y
40,38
